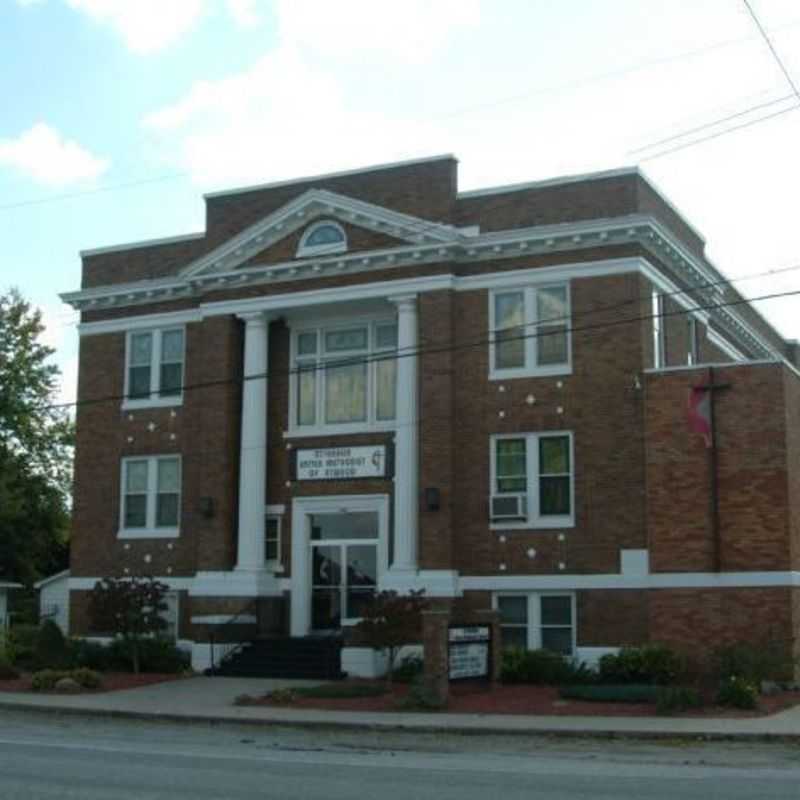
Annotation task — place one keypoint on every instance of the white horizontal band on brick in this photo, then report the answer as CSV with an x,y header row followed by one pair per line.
x,y
87,584
139,322
224,619
657,580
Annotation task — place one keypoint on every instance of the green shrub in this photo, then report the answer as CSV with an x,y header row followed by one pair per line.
x,y
87,678
19,643
677,698
283,697
342,689
611,693
50,648
737,693
541,667
410,668
45,680
767,660
651,663
7,672
421,697
155,655
92,655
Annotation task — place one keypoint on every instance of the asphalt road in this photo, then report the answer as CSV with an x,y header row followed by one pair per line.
x,y
57,757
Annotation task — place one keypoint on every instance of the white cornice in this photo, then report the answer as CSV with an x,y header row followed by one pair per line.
x,y
686,269
313,204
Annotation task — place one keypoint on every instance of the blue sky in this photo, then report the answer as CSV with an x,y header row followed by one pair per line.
x,y
119,114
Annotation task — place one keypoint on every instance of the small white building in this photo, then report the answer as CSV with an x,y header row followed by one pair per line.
x,y
54,599
5,587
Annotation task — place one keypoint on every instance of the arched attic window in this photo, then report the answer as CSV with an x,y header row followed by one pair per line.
x,y
321,238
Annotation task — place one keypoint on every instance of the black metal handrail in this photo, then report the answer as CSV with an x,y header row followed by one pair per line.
x,y
251,608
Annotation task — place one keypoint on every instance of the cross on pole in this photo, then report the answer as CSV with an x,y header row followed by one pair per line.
x,y
709,430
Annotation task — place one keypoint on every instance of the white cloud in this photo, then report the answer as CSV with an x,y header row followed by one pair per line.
x,y
145,25
244,12
411,31
45,155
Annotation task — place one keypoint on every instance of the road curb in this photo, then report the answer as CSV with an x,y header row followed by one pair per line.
x,y
399,727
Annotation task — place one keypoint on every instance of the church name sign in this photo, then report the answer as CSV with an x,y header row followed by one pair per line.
x,y
342,463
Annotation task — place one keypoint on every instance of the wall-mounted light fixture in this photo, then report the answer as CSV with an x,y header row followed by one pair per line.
x,y
207,507
432,499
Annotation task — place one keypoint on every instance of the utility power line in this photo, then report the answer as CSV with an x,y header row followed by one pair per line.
x,y
436,349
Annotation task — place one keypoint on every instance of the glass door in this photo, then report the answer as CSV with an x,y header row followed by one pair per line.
x,y
344,567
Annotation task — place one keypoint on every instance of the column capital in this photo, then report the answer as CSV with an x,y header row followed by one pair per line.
x,y
404,302
254,318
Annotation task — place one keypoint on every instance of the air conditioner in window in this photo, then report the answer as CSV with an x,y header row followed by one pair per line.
x,y
509,507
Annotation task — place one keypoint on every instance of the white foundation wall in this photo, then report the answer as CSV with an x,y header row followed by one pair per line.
x,y
365,662
591,655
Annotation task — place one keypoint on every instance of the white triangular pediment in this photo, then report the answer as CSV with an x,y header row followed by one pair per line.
x,y
314,204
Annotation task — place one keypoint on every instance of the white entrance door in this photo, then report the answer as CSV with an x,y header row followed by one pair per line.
x,y
339,558
344,566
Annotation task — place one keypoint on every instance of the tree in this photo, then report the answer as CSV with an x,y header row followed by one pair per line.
x,y
131,608
392,621
35,448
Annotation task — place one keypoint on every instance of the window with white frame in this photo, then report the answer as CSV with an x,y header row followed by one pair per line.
x,y
322,238
534,621
154,370
539,466
151,494
530,331
345,376
272,539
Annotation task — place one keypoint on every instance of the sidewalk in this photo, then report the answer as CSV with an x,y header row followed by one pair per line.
x,y
210,700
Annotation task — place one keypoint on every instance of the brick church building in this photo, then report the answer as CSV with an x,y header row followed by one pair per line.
x,y
371,380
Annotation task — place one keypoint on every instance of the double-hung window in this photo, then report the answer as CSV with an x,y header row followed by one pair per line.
x,y
151,494
154,369
272,540
539,466
530,331
534,621
345,377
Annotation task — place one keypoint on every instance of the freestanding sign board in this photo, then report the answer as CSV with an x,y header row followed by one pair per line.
x,y
342,463
468,650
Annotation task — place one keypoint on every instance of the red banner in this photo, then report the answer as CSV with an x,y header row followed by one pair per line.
x,y
699,412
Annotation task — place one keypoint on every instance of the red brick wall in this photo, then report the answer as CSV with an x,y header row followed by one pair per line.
x,y
697,621
598,402
612,618
424,190
752,482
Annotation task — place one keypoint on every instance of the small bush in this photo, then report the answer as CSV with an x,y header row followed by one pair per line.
x,y
421,697
155,655
410,668
768,660
651,663
46,679
7,672
50,649
677,698
87,678
342,690
19,643
610,693
541,667
737,693
283,697
92,655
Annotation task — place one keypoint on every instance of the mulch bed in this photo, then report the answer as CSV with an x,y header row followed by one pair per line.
x,y
471,698
112,682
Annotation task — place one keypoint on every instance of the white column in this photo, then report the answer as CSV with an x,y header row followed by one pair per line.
x,y
406,486
253,457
